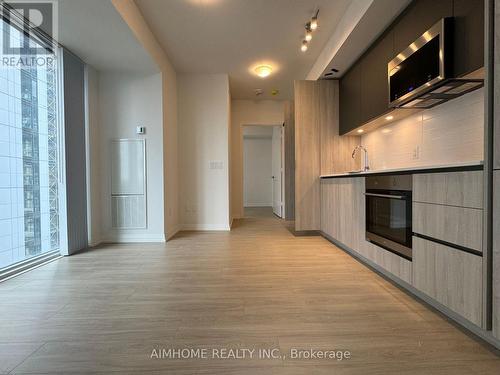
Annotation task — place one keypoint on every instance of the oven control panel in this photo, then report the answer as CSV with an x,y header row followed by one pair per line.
x,y
388,182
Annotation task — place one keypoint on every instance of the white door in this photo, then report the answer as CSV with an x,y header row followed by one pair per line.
x,y
277,171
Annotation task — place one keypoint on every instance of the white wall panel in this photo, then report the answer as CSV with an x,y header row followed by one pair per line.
x,y
128,159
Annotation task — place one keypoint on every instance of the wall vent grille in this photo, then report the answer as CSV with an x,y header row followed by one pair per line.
x,y
128,211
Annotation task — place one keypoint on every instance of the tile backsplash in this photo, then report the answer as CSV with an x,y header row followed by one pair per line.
x,y
450,133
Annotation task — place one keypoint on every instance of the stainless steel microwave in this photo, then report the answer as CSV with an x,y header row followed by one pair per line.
x,y
420,66
421,76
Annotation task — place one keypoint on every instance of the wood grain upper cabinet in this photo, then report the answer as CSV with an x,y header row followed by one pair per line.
x,y
350,100
468,24
374,84
417,19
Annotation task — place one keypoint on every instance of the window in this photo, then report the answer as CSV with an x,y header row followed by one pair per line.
x,y
29,180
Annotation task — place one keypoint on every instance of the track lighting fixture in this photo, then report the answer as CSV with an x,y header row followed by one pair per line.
x,y
310,27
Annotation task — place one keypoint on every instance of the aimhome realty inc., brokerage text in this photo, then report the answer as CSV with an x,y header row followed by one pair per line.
x,y
248,353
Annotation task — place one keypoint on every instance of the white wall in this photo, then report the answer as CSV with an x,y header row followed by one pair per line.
x,y
203,116
134,19
450,133
126,101
248,112
170,153
257,166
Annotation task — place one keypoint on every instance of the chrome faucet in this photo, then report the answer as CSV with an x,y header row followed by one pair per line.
x,y
359,147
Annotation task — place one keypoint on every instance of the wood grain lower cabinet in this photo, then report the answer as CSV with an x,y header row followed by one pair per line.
x,y
398,266
341,209
496,254
463,189
343,219
457,225
450,276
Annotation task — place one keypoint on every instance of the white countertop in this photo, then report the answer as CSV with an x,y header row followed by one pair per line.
x,y
408,169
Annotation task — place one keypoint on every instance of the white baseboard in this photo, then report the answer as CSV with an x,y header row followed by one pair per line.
x,y
208,227
134,237
257,205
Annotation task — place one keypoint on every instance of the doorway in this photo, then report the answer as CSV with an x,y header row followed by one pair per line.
x,y
263,169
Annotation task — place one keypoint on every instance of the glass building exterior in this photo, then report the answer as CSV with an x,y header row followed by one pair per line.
x,y
29,212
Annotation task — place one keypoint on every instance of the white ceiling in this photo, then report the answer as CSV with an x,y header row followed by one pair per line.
x,y
231,36
95,31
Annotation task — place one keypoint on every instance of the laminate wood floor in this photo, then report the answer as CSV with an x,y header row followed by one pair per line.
x,y
105,310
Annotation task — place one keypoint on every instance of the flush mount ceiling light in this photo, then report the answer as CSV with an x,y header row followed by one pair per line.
x,y
303,47
360,131
389,118
263,71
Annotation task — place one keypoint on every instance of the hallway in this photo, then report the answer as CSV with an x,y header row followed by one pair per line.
x,y
259,212
256,287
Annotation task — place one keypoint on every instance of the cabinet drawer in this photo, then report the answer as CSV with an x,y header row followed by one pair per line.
x,y
464,189
451,277
398,266
457,225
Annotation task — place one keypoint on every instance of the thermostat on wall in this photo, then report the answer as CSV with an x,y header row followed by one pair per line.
x,y
140,130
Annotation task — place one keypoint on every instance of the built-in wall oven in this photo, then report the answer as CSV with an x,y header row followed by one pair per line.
x,y
388,213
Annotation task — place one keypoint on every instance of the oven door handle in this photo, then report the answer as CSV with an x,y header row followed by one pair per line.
x,y
387,196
